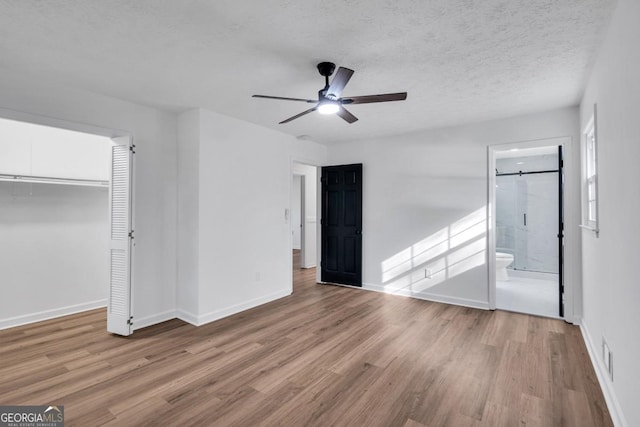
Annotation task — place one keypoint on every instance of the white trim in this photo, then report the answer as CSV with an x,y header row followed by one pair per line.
x,y
617,416
491,236
303,220
307,162
319,222
187,317
589,228
426,296
592,126
40,316
153,319
234,309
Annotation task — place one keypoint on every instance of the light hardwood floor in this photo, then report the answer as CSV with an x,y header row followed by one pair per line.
x,y
324,356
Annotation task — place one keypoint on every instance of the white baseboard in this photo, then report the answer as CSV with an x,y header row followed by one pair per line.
x,y
148,320
187,317
246,305
603,378
154,319
25,319
465,302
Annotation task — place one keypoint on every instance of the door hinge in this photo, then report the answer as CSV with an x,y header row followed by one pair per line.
x,y
132,148
130,321
131,236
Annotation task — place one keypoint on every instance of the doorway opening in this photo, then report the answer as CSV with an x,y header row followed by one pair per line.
x,y
65,198
528,229
303,222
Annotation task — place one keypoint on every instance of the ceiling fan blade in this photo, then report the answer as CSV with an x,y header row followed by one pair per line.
x,y
285,99
310,110
346,115
367,99
339,81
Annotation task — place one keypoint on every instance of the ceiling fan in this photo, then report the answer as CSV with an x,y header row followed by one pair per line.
x,y
329,101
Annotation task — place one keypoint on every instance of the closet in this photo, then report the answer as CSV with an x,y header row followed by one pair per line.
x,y
54,222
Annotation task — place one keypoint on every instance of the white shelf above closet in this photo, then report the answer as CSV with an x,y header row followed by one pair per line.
x,y
40,154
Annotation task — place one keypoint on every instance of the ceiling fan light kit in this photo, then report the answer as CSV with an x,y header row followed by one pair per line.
x,y
329,100
328,107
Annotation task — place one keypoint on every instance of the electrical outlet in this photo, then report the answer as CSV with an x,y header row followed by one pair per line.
x,y
427,273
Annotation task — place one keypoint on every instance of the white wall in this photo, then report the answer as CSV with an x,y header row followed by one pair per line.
x,y
154,133
53,255
611,284
244,187
188,216
310,174
296,212
424,204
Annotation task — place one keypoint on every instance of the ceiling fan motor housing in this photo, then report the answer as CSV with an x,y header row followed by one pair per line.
x,y
326,68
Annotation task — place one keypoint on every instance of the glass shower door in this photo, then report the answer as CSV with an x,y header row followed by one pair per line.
x,y
537,236
527,220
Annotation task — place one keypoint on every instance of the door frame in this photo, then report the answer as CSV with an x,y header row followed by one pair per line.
x,y
307,162
569,310
303,221
99,131
301,209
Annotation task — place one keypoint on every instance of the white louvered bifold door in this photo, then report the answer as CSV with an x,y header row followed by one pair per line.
x,y
119,303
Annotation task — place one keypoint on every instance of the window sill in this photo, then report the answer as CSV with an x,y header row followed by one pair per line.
x,y
590,228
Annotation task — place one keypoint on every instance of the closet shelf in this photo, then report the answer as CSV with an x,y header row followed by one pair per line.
x,y
51,180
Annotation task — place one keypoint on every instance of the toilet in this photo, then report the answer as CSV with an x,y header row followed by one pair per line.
x,y
502,262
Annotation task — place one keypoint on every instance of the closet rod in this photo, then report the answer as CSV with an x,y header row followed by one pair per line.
x,y
51,180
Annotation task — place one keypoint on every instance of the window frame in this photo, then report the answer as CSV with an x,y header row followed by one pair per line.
x,y
590,175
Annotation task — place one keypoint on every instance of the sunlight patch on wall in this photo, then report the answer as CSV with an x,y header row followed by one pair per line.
x,y
449,252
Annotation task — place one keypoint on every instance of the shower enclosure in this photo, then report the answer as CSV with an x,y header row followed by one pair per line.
x,y
527,209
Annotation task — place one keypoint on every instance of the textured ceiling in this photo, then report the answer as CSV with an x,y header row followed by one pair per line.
x,y
459,60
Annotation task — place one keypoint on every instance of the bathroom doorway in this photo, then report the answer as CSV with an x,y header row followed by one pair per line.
x,y
528,229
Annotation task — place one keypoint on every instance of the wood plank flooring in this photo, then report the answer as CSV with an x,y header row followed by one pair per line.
x,y
324,356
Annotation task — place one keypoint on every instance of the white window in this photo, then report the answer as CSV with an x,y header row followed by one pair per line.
x,y
590,176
